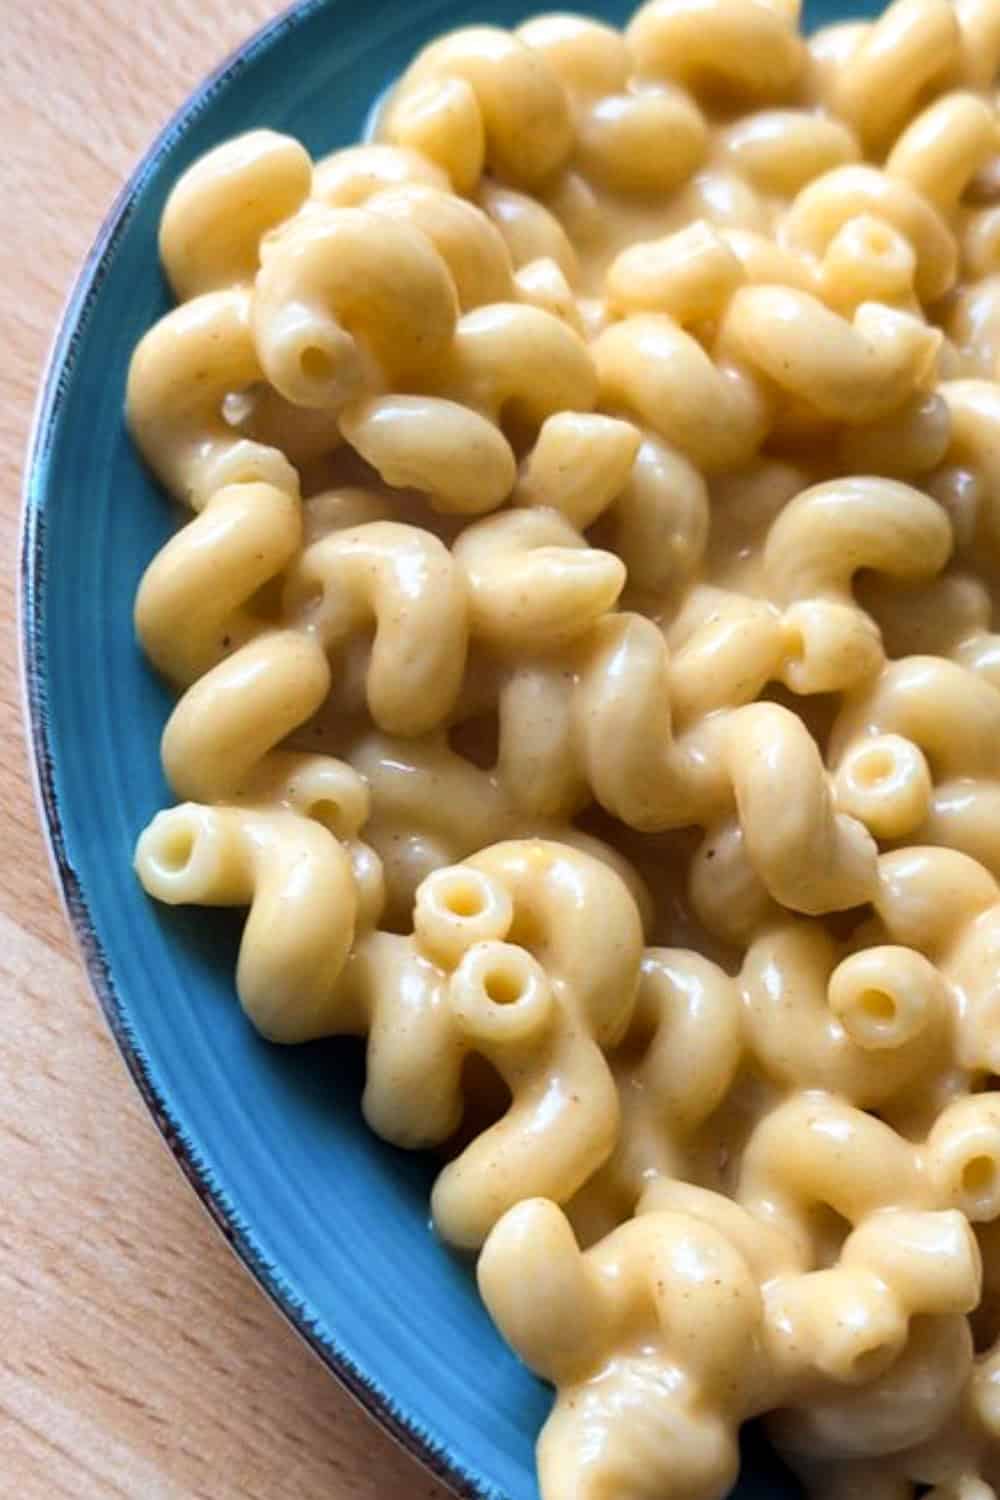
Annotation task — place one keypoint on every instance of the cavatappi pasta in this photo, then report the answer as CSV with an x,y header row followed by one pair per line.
x,y
587,681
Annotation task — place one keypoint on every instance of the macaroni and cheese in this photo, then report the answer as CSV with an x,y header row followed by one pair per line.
x,y
587,682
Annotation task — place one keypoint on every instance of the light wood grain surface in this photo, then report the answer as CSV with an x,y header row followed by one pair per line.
x,y
136,1357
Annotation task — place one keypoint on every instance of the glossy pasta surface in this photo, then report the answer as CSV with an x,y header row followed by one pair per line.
x,y
582,633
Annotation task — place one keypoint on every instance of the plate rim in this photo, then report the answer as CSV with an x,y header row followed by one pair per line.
x,y
57,368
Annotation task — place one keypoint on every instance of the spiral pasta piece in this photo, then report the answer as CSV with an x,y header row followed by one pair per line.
x,y
441,122
819,540
918,1391
466,239
690,275
781,150
944,147
666,1272
715,415
946,904
550,1055
579,465
349,299
857,1165
690,1010
868,261
296,878
893,708
533,579
868,1027
526,122
825,205
221,208
910,46
744,47
853,372
192,605
515,361
179,376
590,58
459,459
405,579
619,140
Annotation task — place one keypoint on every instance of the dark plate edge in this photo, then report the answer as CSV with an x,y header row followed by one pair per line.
x,y
33,673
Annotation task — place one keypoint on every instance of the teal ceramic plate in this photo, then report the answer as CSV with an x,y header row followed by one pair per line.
x,y
333,1224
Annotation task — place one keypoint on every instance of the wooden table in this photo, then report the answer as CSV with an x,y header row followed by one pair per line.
x,y
136,1357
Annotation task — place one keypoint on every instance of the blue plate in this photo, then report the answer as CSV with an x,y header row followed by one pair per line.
x,y
332,1223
